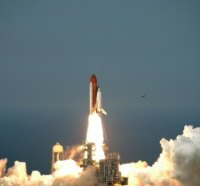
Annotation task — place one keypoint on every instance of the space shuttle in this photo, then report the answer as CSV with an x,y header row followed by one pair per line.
x,y
95,97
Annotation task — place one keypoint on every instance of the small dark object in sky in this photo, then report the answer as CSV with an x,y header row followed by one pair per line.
x,y
143,96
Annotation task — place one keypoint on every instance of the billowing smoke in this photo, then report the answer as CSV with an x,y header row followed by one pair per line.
x,y
74,152
177,165
67,173
2,167
86,178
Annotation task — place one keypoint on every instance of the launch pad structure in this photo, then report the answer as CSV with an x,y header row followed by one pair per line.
x,y
107,169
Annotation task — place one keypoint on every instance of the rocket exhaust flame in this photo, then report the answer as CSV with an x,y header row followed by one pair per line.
x,y
95,135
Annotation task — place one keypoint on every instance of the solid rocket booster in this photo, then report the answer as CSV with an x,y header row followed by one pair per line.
x,y
95,96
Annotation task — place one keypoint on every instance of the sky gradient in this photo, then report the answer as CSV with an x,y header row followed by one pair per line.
x,y
49,49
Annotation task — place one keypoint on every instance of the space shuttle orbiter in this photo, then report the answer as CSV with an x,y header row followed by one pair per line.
x,y
95,97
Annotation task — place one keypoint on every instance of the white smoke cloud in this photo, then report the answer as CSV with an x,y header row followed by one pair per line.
x,y
67,168
67,173
87,178
177,165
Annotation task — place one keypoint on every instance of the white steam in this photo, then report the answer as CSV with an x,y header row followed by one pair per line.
x,y
177,165
67,173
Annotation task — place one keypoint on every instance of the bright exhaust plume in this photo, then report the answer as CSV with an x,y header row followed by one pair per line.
x,y
95,135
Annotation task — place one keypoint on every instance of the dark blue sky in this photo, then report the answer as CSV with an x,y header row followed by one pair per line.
x,y
48,50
